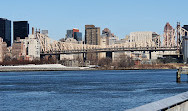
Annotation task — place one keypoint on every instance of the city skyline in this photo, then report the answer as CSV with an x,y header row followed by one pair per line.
x,y
82,55
121,17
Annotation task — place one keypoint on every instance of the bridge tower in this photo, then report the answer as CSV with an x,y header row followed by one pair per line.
x,y
169,36
178,37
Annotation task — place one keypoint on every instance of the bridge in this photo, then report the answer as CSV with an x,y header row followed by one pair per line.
x,y
54,47
119,49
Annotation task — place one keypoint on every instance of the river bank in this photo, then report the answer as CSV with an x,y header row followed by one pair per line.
x,y
59,67
146,67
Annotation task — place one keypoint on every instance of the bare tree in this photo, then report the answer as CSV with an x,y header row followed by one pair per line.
x,y
124,61
105,62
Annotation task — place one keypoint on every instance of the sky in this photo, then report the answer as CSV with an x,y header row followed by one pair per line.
x,y
120,16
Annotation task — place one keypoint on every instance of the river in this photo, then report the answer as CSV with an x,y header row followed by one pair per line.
x,y
86,90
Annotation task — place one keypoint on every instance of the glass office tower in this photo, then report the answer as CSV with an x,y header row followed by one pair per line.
x,y
5,30
78,36
69,34
21,29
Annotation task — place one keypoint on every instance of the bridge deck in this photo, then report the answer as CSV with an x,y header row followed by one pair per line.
x,y
150,49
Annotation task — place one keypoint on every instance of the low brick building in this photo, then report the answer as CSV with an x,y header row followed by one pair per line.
x,y
18,50
3,48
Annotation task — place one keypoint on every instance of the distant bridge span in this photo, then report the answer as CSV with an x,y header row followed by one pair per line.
x,y
122,49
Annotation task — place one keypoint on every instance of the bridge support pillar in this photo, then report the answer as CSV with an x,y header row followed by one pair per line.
x,y
58,57
178,76
109,54
42,56
84,57
150,55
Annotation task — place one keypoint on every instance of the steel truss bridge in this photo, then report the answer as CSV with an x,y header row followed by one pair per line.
x,y
149,49
54,47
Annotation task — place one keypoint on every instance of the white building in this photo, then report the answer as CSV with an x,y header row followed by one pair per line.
x,y
32,46
144,39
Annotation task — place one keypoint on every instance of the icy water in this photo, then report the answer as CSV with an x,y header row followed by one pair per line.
x,y
86,90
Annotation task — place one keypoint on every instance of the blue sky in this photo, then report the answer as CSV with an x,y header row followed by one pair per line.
x,y
120,16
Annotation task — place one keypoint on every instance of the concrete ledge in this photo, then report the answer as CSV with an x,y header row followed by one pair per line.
x,y
175,103
181,107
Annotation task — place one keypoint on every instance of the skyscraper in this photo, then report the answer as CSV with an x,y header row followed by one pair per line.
x,y
78,36
5,30
92,35
75,30
21,29
69,34
74,33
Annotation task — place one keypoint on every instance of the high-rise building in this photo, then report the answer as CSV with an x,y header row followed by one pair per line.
x,y
75,30
18,50
21,29
92,35
32,46
74,34
5,30
107,32
78,36
110,37
69,34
